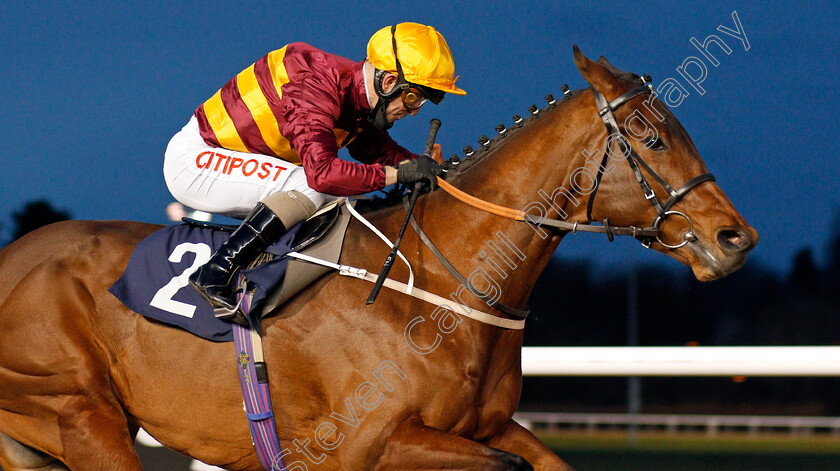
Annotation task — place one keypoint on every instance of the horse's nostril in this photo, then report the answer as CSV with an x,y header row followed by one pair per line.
x,y
734,240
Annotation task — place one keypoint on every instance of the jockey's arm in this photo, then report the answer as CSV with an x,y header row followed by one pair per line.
x,y
326,173
310,131
376,146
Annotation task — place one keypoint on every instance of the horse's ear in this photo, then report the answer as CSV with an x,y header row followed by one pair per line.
x,y
599,76
615,70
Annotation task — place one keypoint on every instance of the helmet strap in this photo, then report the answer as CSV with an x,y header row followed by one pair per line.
x,y
377,114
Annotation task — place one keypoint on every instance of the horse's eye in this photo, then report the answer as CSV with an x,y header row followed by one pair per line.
x,y
656,144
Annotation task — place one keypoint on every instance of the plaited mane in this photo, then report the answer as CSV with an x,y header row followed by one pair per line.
x,y
459,164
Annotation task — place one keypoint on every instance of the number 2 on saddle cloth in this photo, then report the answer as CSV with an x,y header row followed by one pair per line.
x,y
155,283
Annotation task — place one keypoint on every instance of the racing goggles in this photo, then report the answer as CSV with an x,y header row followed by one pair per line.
x,y
414,97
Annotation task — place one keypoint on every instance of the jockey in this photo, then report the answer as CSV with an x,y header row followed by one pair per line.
x,y
265,146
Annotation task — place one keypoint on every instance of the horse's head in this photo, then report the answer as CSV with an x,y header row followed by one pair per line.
x,y
697,223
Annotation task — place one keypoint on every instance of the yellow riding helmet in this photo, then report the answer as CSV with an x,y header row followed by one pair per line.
x,y
423,54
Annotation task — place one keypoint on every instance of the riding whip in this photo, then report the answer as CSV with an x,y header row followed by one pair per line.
x,y
434,125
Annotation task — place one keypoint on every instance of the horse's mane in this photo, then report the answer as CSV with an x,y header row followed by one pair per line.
x,y
489,146
457,164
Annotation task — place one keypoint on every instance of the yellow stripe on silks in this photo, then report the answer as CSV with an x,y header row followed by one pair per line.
x,y
280,77
222,125
278,69
257,104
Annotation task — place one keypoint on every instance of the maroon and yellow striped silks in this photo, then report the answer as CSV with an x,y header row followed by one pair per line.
x,y
242,115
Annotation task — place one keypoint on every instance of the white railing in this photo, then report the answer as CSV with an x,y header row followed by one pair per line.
x,y
681,361
673,423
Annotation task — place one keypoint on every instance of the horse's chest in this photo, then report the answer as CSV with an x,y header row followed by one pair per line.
x,y
470,405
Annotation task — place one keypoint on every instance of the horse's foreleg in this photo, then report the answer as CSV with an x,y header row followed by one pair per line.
x,y
96,437
515,438
414,446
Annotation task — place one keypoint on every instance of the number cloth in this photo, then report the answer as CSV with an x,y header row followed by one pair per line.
x,y
155,282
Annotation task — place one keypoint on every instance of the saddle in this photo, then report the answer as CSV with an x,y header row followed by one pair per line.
x,y
321,236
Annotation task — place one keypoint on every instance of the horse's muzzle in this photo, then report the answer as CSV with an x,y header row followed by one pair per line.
x,y
723,254
737,239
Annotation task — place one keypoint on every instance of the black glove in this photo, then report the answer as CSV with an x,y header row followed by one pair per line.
x,y
421,169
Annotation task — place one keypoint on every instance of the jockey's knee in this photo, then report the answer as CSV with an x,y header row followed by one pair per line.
x,y
290,206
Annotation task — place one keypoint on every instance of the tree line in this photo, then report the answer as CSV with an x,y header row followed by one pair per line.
x,y
33,215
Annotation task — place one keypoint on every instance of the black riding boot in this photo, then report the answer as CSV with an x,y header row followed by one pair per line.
x,y
214,280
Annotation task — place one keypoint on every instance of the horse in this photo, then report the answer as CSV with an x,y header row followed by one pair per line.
x,y
395,385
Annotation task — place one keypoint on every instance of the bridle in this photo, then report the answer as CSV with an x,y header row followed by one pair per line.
x,y
646,235
663,210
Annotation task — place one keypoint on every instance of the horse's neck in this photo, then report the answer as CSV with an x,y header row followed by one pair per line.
x,y
510,254
540,156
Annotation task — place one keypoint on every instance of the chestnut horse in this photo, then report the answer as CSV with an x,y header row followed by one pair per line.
x,y
385,386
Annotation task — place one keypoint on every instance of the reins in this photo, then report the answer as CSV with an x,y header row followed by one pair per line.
x,y
573,227
509,310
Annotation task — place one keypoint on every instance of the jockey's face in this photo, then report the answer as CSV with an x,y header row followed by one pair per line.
x,y
396,110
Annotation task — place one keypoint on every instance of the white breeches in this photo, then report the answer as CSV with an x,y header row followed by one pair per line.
x,y
227,182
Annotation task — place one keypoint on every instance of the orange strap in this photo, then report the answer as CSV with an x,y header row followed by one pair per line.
x,y
479,203
573,227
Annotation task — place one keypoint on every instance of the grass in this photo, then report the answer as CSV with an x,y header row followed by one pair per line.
x,y
687,451
699,442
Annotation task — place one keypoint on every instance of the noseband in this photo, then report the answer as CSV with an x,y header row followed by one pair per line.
x,y
663,210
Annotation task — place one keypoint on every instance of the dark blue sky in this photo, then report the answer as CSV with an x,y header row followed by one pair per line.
x,y
92,92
